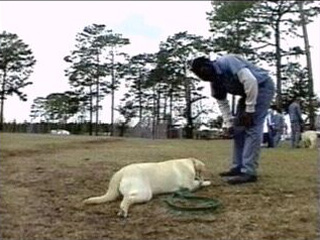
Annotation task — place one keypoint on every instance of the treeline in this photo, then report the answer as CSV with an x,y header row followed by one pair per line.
x,y
45,127
161,131
159,87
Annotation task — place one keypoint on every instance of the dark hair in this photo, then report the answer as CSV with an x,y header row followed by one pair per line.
x,y
199,62
203,68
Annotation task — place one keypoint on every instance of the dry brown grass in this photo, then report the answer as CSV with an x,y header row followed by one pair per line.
x,y
44,179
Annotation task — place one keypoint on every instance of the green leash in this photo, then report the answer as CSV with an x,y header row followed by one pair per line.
x,y
184,200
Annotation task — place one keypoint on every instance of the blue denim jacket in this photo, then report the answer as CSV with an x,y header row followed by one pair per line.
x,y
227,68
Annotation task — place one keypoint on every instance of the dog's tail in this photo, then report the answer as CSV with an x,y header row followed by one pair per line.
x,y
112,193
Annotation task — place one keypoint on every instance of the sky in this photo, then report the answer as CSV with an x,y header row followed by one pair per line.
x,y
50,28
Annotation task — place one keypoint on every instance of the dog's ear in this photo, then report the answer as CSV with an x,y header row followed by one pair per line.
x,y
199,167
201,170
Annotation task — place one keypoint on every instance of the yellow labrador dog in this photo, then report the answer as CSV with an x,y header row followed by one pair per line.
x,y
309,139
140,181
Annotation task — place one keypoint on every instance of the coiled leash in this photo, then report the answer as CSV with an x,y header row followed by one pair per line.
x,y
184,200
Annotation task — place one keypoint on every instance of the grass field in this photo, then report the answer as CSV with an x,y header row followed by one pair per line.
x,y
44,178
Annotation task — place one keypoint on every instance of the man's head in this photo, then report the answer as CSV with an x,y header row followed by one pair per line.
x,y
203,68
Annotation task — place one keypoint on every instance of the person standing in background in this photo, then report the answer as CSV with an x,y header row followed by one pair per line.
x,y
296,122
268,130
279,125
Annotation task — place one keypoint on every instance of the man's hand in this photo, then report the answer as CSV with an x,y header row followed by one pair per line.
x,y
246,120
228,132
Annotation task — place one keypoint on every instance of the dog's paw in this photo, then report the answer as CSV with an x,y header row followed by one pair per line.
x,y
122,214
205,183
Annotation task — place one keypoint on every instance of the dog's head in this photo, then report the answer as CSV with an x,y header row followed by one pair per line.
x,y
199,168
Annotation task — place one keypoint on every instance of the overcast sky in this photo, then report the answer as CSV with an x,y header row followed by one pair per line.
x,y
50,27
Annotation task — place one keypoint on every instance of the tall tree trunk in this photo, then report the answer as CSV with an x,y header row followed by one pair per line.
x,y
278,65
140,96
309,65
97,100
112,92
91,111
165,104
2,98
113,80
154,114
189,127
170,105
169,122
233,105
158,111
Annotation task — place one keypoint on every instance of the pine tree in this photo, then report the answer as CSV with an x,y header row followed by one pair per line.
x,y
56,107
16,66
91,62
180,90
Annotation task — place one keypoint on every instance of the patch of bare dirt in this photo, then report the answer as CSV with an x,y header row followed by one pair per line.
x,y
42,199
48,206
